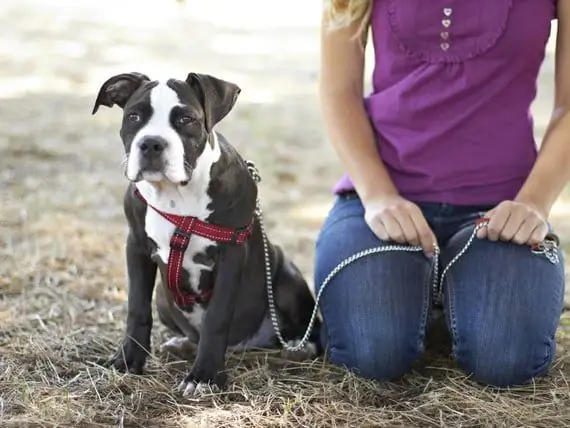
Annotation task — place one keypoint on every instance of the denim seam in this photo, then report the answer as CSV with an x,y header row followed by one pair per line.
x,y
545,364
330,346
448,284
425,309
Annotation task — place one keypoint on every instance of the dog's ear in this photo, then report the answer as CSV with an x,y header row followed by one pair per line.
x,y
218,96
118,89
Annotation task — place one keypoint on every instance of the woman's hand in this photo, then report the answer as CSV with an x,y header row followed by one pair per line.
x,y
397,219
516,222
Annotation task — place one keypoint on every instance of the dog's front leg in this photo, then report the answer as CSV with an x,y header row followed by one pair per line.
x,y
141,271
208,370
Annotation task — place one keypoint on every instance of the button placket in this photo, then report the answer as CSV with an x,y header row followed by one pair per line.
x,y
446,23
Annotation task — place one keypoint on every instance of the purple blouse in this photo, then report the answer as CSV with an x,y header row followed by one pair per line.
x,y
453,84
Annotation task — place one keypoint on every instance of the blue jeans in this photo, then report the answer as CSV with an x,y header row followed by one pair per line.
x,y
501,301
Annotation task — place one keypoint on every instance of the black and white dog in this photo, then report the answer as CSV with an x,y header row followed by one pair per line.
x,y
190,209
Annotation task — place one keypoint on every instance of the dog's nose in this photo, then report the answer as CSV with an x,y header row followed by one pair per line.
x,y
152,147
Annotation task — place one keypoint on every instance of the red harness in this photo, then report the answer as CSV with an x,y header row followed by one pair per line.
x,y
187,226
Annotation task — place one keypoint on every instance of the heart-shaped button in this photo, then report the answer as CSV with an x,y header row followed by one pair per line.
x,y
447,11
446,23
444,46
444,35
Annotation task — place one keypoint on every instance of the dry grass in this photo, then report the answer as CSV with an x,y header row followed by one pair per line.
x,y
62,312
50,375
51,379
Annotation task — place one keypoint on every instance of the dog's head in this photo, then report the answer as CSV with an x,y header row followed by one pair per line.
x,y
166,125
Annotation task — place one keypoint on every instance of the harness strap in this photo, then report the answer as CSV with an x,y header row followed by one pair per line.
x,y
185,228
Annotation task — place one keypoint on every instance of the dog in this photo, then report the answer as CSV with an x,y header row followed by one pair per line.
x,y
191,213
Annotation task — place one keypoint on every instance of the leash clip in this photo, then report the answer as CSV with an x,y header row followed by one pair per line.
x,y
548,248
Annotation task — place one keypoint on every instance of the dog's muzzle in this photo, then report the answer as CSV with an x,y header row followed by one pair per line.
x,y
151,154
154,158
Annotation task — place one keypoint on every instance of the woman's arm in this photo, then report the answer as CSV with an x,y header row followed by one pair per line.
x,y
523,220
345,119
551,171
350,132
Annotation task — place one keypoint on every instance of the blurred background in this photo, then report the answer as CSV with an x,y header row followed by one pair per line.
x,y
61,166
61,222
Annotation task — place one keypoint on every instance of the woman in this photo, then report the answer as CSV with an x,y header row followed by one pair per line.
x,y
444,138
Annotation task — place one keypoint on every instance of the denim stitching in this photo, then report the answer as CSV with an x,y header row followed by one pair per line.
x,y
545,364
549,357
329,348
330,345
426,302
448,283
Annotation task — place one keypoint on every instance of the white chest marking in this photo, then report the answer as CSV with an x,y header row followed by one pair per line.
x,y
190,200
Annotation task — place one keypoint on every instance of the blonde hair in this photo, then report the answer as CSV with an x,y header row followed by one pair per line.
x,y
342,13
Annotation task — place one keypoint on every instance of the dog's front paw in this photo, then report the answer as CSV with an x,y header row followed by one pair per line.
x,y
195,389
130,357
202,381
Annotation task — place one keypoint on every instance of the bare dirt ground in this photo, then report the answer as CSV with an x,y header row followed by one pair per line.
x,y
62,288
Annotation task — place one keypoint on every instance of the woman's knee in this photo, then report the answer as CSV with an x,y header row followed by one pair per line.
x,y
375,352
375,314
505,361
503,317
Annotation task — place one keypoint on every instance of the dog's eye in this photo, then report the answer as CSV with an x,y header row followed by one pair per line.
x,y
186,120
134,117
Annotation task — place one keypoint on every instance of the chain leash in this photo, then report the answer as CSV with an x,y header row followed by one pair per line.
x,y
548,248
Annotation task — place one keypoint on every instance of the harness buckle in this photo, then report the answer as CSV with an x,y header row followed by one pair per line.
x,y
237,232
180,244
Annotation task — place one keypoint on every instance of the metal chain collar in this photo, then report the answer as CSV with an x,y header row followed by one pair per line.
x,y
548,248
